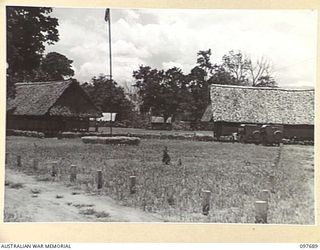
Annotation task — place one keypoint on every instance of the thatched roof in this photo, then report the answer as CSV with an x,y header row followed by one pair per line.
x,y
41,98
260,105
207,115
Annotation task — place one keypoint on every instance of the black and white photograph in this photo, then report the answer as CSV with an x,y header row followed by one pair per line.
x,y
160,115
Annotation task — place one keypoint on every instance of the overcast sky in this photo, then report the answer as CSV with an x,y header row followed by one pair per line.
x,y
166,38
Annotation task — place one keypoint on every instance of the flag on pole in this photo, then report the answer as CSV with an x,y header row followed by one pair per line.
x,y
107,15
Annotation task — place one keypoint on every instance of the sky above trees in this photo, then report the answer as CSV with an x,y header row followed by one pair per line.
x,y
166,38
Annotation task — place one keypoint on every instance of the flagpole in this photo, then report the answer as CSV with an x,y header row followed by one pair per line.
x,y
110,58
110,62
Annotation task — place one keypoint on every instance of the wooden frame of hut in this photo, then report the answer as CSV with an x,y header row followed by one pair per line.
x,y
50,107
234,105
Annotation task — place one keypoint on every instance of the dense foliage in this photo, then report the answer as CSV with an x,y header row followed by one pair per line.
x,y
55,67
173,93
28,30
108,96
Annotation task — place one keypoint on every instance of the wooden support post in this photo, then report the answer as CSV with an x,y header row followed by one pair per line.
x,y
170,199
133,189
73,173
99,179
54,170
206,202
19,161
35,164
272,183
265,195
261,210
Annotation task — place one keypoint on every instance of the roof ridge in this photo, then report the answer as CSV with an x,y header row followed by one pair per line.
x,y
42,83
260,88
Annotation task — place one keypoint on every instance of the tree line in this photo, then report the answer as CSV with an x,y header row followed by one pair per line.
x,y
167,93
171,93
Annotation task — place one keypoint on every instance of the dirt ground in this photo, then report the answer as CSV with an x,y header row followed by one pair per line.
x,y
29,200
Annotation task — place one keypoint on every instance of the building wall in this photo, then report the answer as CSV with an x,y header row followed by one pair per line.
x,y
46,124
33,123
303,132
225,128
300,132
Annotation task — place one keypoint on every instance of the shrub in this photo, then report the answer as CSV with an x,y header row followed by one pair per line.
x,y
111,140
14,132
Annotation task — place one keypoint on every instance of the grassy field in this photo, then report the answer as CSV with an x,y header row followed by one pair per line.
x,y
234,173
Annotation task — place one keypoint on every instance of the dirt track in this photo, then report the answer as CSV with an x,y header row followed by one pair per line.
x,y
38,201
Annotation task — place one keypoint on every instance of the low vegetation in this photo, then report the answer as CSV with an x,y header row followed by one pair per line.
x,y
35,191
14,185
13,216
234,173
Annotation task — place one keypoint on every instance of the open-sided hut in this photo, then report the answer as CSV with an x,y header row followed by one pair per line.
x,y
234,105
50,107
159,123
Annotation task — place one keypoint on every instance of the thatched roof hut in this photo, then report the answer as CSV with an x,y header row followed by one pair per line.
x,y
238,104
58,103
41,98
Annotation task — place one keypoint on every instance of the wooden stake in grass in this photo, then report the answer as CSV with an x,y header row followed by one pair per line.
x,y
265,195
261,208
206,202
54,169
99,179
73,173
272,183
35,164
133,189
19,161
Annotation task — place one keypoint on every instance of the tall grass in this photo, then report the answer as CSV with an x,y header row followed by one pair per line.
x,y
234,173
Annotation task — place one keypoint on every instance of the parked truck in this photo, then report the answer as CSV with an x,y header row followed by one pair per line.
x,y
249,133
271,134
265,134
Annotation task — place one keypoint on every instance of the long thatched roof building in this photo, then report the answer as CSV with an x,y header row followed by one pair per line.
x,y
233,105
50,106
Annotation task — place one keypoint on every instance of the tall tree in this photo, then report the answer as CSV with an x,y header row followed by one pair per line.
x,y
160,90
108,96
221,76
266,81
260,73
204,62
237,65
171,90
149,81
199,89
56,67
238,69
28,30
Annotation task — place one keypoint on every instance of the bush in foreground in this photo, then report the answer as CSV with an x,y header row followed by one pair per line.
x,y
111,140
